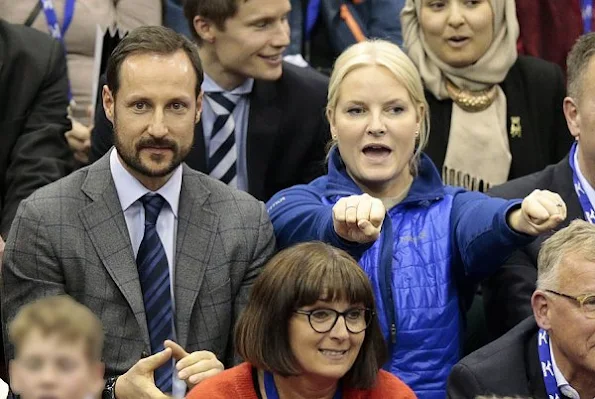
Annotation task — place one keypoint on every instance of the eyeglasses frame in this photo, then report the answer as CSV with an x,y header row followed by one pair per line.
x,y
580,299
337,315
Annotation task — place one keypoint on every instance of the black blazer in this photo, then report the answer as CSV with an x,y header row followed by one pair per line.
x,y
506,367
33,116
507,294
286,138
535,92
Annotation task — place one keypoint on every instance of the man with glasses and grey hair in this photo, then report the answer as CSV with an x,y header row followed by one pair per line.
x,y
552,353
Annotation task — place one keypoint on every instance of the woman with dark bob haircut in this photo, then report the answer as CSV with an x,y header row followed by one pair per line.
x,y
309,330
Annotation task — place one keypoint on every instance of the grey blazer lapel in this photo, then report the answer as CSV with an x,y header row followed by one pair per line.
x,y
104,221
197,228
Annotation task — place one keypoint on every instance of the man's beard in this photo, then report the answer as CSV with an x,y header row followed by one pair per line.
x,y
133,160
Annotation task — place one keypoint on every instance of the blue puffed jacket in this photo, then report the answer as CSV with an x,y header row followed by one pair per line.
x,y
434,246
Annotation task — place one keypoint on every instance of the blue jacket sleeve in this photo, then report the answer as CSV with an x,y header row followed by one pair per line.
x,y
482,239
298,215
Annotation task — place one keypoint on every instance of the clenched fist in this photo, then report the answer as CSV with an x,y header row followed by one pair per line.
x,y
359,218
540,211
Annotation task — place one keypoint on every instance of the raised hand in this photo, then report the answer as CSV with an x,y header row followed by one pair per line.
x,y
358,218
196,366
541,211
138,382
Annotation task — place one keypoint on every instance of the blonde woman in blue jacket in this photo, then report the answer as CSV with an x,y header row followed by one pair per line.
x,y
422,244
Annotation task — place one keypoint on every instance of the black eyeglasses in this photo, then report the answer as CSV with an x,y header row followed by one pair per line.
x,y
585,301
324,320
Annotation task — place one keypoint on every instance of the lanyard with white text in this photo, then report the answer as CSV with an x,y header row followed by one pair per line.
x,y
580,191
56,31
271,389
545,358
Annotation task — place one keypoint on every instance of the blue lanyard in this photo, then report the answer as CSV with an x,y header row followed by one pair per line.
x,y
56,31
312,12
587,13
545,359
271,389
580,191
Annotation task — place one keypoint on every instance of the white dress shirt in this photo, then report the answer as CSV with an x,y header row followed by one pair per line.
x,y
563,385
130,190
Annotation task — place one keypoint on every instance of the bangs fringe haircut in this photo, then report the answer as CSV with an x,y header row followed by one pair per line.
x,y
300,276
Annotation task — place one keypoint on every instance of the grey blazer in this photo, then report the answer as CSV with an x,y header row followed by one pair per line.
x,y
71,237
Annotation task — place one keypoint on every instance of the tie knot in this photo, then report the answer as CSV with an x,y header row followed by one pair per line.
x,y
153,204
222,103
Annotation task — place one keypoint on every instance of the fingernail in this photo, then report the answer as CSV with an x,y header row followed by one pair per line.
x,y
193,379
182,375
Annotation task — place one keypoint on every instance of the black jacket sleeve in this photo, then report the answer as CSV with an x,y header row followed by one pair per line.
x,y
463,384
40,154
507,293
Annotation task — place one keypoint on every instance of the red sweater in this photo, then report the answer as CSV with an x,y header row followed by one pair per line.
x,y
237,382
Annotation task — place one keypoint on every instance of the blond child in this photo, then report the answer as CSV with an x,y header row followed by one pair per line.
x,y
58,344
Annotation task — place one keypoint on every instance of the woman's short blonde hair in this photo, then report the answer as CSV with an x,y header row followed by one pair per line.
x,y
390,56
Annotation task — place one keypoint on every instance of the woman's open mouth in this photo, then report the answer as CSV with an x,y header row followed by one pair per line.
x,y
376,151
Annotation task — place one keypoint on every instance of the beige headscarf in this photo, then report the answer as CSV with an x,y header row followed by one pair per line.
x,y
478,150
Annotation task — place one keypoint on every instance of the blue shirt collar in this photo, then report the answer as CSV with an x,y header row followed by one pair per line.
x,y
129,189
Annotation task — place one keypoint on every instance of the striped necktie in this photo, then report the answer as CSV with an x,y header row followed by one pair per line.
x,y
153,271
222,145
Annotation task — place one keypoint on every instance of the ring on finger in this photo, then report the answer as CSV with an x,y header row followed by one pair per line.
x,y
351,206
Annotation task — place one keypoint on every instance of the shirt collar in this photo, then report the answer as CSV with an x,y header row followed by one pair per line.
x,y
209,86
563,385
129,189
584,182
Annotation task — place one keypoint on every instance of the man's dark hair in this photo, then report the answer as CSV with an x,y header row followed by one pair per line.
x,y
146,40
577,62
216,11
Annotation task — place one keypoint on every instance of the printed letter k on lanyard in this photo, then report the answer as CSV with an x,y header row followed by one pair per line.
x,y
56,31
545,358
588,210
271,389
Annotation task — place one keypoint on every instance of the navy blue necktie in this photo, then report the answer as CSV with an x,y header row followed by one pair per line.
x,y
153,271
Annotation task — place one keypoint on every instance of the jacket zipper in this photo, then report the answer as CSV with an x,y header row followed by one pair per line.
x,y
386,257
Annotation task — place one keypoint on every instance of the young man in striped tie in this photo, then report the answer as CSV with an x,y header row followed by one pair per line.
x,y
263,127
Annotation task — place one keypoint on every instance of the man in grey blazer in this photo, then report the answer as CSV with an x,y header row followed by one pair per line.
x,y
158,251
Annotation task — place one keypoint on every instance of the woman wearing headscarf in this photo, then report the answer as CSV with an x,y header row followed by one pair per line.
x,y
494,115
